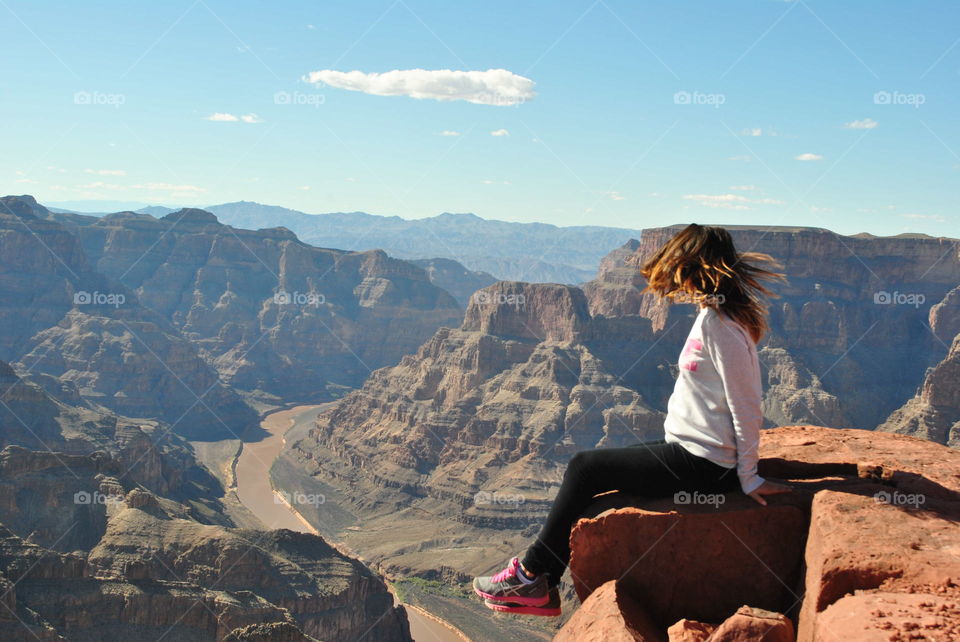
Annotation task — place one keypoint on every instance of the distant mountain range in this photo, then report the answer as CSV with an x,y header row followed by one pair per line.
x,y
531,252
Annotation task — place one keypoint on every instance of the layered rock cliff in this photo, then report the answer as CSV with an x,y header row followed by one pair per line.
x,y
482,418
78,328
271,314
863,549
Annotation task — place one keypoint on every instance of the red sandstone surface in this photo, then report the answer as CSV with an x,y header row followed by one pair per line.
x,y
866,547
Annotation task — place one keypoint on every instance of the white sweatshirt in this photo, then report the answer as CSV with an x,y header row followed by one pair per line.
x,y
714,411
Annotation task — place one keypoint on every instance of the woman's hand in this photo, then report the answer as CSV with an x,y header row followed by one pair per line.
x,y
768,488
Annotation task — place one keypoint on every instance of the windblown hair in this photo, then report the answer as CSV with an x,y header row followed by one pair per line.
x,y
701,265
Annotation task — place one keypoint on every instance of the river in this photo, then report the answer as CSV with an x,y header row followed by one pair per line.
x,y
256,493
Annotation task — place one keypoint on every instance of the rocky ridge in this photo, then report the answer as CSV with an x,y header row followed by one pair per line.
x,y
274,316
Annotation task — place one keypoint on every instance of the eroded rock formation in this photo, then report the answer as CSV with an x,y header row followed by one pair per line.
x,y
272,314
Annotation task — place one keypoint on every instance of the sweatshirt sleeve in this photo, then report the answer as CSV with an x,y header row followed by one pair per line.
x,y
739,369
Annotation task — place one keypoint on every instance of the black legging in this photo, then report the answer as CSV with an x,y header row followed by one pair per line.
x,y
650,470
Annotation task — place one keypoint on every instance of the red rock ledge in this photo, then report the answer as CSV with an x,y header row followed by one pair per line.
x,y
867,548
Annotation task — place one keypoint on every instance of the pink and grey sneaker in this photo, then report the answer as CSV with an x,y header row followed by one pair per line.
x,y
550,609
509,587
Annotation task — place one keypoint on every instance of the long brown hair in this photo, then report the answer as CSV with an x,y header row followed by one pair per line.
x,y
701,265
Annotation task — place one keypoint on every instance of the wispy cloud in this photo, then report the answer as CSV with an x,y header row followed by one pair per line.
x,y
616,196
866,123
106,172
743,188
499,132
807,156
937,218
729,201
224,117
490,87
449,132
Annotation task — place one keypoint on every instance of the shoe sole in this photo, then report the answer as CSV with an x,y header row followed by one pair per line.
x,y
515,600
524,610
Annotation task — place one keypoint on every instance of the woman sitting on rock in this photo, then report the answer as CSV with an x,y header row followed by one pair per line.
x,y
713,416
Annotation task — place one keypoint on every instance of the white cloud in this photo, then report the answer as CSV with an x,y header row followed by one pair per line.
x,y
743,188
305,187
106,172
729,201
499,132
223,117
25,180
449,132
146,187
937,218
755,131
725,201
490,87
866,123
807,156
616,196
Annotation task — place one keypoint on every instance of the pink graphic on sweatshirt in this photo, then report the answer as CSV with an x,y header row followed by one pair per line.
x,y
686,357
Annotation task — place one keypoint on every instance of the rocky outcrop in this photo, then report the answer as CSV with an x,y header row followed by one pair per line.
x,y
934,412
75,327
862,549
276,317
484,417
849,341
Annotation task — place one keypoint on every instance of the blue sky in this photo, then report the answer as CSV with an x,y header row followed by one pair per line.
x,y
632,114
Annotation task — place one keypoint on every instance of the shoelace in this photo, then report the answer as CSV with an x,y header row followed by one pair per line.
x,y
507,573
